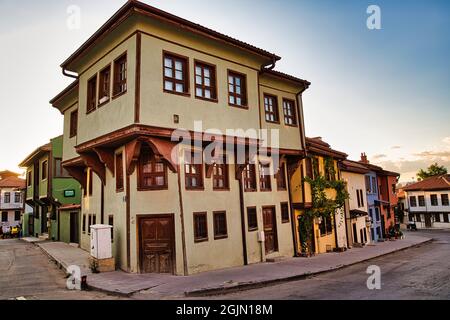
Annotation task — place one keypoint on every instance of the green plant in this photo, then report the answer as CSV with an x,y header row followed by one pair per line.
x,y
322,206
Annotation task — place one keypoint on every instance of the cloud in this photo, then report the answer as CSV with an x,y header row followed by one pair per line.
x,y
396,147
379,156
434,154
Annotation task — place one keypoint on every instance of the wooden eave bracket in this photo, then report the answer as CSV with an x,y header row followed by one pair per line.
x,y
107,157
93,161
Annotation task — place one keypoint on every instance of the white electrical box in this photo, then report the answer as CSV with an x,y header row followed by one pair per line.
x,y
261,236
101,241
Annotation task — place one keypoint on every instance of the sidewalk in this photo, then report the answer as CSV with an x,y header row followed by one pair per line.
x,y
221,281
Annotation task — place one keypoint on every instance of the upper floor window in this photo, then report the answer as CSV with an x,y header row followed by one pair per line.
x,y
29,178
368,189
264,177
119,172
120,75
220,176
374,185
104,85
444,199
44,168
421,201
271,108
152,172
281,177
434,200
59,171
284,212
290,117
193,170
73,123
237,89
7,197
413,201
249,174
17,197
91,103
176,76
205,81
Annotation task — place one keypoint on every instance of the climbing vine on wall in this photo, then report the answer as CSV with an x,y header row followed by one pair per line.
x,y
322,206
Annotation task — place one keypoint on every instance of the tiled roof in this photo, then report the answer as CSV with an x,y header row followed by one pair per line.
x,y
353,166
12,182
288,77
434,183
137,6
318,146
42,149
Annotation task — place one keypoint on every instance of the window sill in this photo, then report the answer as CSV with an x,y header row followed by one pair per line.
x,y
103,103
90,111
253,229
238,106
200,240
120,190
221,189
220,237
164,188
291,125
250,190
195,189
117,95
273,122
206,99
286,221
183,94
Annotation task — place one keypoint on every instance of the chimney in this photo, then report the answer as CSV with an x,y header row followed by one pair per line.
x,y
364,158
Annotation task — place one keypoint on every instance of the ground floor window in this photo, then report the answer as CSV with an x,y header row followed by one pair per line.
x,y
83,224
446,219
200,227
437,217
220,225
326,226
16,215
5,216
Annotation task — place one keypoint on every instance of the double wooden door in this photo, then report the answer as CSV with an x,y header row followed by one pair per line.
x,y
157,244
270,229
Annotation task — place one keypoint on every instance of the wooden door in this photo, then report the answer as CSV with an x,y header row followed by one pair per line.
x,y
270,229
157,239
74,227
428,220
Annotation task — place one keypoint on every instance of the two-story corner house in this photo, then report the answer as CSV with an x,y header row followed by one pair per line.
x,y
329,233
141,78
356,211
373,201
428,202
11,198
53,195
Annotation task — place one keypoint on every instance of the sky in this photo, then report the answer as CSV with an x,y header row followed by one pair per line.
x,y
383,92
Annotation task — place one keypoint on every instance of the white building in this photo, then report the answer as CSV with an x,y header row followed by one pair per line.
x,y
11,199
428,202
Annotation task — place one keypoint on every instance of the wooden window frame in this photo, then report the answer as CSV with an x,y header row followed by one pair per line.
x,y
285,219
252,227
412,203
62,171
293,117
225,176
249,178
29,178
265,181
324,222
281,173
17,195
153,162
243,95
7,197
212,78
83,222
186,72
437,217
420,202
4,213
73,126
44,173
435,197
444,200
17,212
117,82
91,94
275,112
119,172
101,89
220,236
188,175
197,238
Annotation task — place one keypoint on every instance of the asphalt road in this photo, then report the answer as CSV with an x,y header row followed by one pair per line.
x,y
25,272
417,273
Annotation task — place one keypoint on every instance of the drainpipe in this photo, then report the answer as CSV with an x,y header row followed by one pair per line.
x,y
244,236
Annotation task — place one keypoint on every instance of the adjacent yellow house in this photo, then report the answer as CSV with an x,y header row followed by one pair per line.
x,y
318,234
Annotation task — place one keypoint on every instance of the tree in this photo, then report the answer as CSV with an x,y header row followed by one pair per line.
x,y
433,170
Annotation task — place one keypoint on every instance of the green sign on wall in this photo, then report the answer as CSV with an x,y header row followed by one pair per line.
x,y
69,193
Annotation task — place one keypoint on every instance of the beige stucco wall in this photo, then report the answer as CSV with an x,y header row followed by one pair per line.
x,y
119,111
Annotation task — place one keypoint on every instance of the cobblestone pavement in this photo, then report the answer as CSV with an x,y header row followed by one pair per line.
x,y
25,272
417,273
